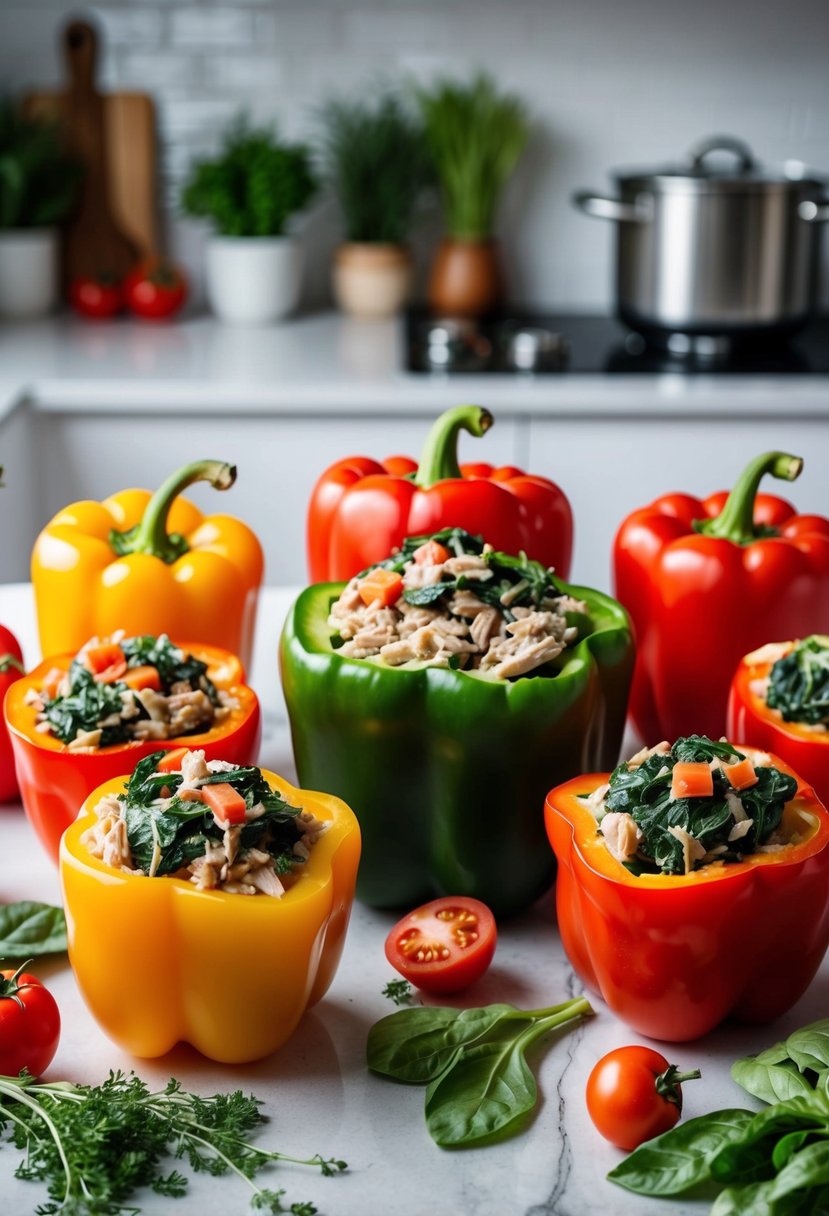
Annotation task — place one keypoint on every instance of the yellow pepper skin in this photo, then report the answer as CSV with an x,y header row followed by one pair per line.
x,y
159,962
199,578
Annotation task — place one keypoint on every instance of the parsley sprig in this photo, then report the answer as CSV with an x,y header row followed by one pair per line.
x,y
94,1145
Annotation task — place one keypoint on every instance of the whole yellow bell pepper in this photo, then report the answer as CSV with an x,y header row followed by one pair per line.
x,y
159,962
102,566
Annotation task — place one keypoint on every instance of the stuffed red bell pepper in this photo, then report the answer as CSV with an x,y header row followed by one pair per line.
x,y
11,669
779,699
705,581
693,885
362,510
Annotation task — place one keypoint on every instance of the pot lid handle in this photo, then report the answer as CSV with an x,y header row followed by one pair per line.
x,y
722,143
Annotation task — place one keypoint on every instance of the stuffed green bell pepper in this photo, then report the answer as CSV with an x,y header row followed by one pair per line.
x,y
441,693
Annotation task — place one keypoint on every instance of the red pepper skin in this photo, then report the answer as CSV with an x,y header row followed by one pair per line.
x,y
54,782
361,509
700,601
674,955
749,717
11,669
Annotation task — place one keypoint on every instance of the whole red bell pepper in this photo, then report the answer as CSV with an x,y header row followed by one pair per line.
x,y
804,746
11,669
705,581
361,509
673,955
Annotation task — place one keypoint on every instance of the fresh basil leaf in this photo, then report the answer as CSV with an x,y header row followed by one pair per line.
x,y
679,1160
29,929
786,1147
809,1046
483,1096
806,1169
775,1082
749,1158
417,1045
750,1200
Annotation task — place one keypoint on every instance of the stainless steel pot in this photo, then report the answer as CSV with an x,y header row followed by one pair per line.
x,y
708,250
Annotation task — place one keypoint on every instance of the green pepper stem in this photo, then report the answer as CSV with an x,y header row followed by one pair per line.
x,y
151,535
439,458
736,520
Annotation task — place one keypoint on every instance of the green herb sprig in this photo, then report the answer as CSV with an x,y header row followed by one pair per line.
x,y
94,1145
480,1087
399,992
799,682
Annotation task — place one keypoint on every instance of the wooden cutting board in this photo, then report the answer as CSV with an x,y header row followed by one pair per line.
x,y
114,135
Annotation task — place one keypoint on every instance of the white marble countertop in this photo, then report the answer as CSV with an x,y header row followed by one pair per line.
x,y
328,364
317,1090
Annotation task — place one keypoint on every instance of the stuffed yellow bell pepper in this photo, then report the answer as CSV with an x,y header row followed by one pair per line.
x,y
206,905
102,566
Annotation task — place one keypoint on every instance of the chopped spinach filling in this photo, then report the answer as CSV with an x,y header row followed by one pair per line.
x,y
154,814
644,793
90,702
799,683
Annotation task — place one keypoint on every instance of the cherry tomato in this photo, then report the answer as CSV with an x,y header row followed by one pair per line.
x,y
11,668
96,297
633,1093
444,945
29,1024
155,289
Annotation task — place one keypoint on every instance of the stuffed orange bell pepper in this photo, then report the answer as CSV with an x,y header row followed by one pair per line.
x,y
780,700
98,567
207,906
682,907
79,720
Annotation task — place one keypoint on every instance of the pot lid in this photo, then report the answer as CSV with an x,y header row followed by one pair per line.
x,y
721,163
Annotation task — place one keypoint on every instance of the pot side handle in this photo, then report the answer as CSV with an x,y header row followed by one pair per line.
x,y
602,208
814,213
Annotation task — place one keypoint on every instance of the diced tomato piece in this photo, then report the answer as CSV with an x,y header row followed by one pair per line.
x,y
383,585
52,682
692,779
741,775
110,674
225,802
143,677
433,553
171,763
98,659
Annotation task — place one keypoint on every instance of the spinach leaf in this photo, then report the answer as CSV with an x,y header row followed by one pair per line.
x,y
777,1073
799,682
809,1046
425,596
774,1082
486,1093
417,1045
750,1158
679,1159
87,703
29,929
174,666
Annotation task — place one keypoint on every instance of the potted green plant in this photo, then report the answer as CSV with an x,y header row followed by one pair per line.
x,y
250,191
377,164
38,184
476,136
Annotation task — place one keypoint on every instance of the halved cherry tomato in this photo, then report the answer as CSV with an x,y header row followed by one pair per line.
x,y
97,296
155,289
633,1094
11,669
29,1024
444,945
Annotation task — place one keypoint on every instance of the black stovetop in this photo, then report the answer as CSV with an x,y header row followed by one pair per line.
x,y
601,344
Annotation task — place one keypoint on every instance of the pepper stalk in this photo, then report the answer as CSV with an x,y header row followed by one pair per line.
x,y
736,520
150,534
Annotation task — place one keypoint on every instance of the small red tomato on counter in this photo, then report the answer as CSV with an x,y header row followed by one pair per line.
x,y
155,289
96,296
29,1024
633,1094
445,945
11,667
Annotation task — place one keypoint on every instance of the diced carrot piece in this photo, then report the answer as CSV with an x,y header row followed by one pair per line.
x,y
110,674
52,682
143,677
692,779
191,795
433,553
99,658
225,802
383,585
171,762
741,775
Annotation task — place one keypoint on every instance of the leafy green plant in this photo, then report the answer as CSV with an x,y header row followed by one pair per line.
x,y
253,186
480,1087
38,182
94,1145
799,682
476,137
29,929
378,164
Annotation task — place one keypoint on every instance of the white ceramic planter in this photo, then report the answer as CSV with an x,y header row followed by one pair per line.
x,y
28,272
253,280
372,281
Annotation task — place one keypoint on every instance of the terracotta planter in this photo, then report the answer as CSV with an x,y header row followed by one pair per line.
x,y
372,280
466,278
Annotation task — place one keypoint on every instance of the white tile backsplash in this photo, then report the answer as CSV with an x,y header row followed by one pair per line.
x,y
608,82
